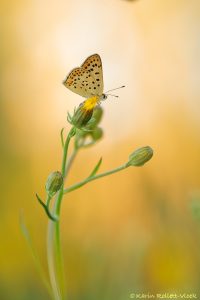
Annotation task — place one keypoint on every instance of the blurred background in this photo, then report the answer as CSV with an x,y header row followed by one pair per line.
x,y
135,231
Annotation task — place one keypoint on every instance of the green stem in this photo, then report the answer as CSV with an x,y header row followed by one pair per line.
x,y
50,259
85,181
58,251
70,161
56,271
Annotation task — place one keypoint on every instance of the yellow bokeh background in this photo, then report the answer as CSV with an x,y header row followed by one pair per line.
x,y
137,231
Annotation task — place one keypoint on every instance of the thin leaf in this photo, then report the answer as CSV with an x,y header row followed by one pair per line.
x,y
96,168
61,136
37,262
40,201
46,208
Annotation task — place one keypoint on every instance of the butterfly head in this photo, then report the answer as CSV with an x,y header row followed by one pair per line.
x,y
103,97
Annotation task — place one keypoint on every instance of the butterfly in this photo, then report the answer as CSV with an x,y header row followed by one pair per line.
x,y
87,80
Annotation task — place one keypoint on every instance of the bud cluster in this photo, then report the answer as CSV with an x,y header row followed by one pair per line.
x,y
91,132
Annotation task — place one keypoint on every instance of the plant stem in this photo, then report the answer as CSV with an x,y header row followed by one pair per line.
x,y
50,259
58,251
56,271
85,181
54,253
70,161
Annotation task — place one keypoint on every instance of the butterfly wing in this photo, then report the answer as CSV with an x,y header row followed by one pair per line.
x,y
87,80
93,65
77,82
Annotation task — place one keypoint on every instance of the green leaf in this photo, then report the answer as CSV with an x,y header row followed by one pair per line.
x,y
61,135
40,201
46,208
96,168
37,262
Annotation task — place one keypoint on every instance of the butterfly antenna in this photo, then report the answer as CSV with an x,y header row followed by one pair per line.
x,y
115,89
112,95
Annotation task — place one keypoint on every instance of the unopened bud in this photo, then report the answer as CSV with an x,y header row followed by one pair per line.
x,y
84,113
81,116
54,183
97,134
97,115
96,118
140,156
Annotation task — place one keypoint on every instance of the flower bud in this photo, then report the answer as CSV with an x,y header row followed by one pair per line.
x,y
54,183
84,113
97,134
96,118
81,116
97,114
140,156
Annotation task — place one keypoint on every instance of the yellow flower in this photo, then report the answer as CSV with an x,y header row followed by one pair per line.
x,y
84,112
90,103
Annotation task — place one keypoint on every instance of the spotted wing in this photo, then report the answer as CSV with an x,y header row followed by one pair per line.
x,y
87,80
79,81
93,65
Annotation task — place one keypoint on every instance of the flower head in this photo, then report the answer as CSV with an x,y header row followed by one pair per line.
x,y
91,133
83,113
